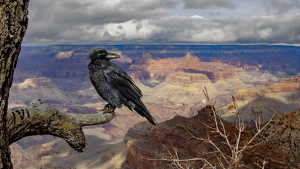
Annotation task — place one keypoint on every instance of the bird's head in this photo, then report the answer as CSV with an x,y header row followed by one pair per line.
x,y
101,53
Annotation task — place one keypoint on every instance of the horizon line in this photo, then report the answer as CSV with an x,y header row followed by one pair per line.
x,y
169,44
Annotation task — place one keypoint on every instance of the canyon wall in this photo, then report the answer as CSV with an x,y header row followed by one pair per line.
x,y
278,147
171,78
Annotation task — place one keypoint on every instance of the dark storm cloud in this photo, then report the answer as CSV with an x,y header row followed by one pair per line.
x,y
281,6
202,4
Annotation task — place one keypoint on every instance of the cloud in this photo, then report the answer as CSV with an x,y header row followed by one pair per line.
x,y
197,17
281,6
202,4
49,18
96,11
272,29
135,21
120,27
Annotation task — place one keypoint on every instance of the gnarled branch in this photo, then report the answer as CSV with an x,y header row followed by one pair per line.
x,y
39,118
13,25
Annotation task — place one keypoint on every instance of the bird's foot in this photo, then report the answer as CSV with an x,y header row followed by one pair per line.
x,y
109,109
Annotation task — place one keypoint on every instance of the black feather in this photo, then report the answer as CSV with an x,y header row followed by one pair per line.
x,y
114,85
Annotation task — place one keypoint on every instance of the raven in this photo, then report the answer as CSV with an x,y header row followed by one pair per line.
x,y
114,85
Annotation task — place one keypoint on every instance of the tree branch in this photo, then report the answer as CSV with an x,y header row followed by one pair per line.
x,y
39,118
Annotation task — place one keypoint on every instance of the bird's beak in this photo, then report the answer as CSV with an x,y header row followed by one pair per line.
x,y
112,56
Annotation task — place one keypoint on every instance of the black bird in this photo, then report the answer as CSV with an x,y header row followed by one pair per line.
x,y
114,85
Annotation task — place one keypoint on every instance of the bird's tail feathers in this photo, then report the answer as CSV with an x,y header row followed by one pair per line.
x,y
141,110
145,113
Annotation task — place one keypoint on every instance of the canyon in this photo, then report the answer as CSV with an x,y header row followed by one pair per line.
x,y
279,147
172,79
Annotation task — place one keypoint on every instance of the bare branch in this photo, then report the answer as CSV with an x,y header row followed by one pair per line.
x,y
237,147
39,118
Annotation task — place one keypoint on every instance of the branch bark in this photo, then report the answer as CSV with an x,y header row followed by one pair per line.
x,y
13,25
39,118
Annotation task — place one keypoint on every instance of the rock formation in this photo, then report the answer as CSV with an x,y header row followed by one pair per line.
x,y
170,86
293,79
41,88
148,67
284,94
23,72
280,143
141,141
171,79
279,146
20,158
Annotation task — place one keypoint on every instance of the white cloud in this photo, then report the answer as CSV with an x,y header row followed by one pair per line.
x,y
196,17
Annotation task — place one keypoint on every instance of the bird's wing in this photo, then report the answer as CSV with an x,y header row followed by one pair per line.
x,y
123,82
105,90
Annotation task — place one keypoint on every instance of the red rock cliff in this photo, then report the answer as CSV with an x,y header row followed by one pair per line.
x,y
279,146
148,67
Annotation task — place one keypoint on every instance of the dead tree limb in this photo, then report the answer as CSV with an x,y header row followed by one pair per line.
x,y
39,118
13,25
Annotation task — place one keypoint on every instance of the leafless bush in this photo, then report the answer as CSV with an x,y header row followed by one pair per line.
x,y
237,145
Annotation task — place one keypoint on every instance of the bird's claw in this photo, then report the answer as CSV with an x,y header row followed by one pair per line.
x,y
109,109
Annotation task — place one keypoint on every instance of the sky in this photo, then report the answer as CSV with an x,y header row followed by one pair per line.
x,y
111,22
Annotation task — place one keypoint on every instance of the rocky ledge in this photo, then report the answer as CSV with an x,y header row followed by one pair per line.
x,y
279,147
